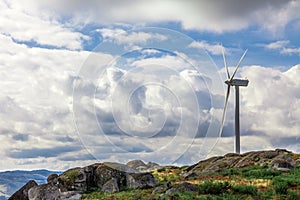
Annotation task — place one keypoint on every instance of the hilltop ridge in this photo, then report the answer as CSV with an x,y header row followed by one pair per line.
x,y
158,181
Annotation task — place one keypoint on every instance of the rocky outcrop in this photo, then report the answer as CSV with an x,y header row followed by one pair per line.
x,y
279,159
140,166
22,194
52,179
182,187
44,192
72,183
111,186
169,191
140,180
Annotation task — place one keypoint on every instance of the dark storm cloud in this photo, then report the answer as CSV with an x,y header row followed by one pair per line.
x,y
82,157
20,137
41,152
213,15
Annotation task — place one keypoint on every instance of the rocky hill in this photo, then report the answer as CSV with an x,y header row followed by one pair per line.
x,y
279,159
136,175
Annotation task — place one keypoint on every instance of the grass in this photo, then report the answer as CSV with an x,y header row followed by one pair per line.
x,y
253,182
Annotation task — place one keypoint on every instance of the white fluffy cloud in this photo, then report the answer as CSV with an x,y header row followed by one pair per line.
x,y
27,23
272,101
283,48
215,49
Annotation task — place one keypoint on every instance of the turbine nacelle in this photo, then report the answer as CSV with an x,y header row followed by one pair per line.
x,y
237,82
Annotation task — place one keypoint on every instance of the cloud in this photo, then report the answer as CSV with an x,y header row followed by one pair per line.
x,y
270,104
36,117
215,49
40,152
282,46
120,36
26,23
22,137
212,16
278,44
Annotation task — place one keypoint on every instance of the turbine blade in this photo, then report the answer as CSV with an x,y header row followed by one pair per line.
x,y
225,63
238,64
224,110
223,118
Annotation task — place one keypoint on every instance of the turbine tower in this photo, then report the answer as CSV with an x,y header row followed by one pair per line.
x,y
236,83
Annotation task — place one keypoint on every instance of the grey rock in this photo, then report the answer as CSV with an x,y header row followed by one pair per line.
x,y
281,164
182,187
111,186
140,180
73,180
137,165
162,188
52,179
22,193
44,192
105,173
71,195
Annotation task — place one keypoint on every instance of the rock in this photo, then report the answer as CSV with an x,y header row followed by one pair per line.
x,y
90,175
182,187
162,188
297,162
22,193
71,195
73,180
52,179
120,167
137,165
140,180
105,173
281,164
44,192
140,166
279,159
111,186
269,154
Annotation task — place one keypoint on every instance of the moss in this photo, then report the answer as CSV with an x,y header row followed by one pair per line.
x,y
70,176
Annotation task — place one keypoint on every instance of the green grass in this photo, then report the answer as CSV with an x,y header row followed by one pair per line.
x,y
233,184
210,187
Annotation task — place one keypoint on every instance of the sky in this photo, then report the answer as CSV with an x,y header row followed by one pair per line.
x,y
95,81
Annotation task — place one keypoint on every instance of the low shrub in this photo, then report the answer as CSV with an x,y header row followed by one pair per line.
x,y
244,189
161,169
292,195
280,187
210,187
262,173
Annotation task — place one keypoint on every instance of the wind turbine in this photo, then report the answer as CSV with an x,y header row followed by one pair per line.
x,y
237,83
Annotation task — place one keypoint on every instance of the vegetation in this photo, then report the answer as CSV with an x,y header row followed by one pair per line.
x,y
253,182
70,175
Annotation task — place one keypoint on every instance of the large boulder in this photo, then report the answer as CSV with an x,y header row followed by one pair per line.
x,y
182,187
90,175
22,193
52,192
104,173
44,192
137,165
52,179
73,180
111,186
140,166
281,164
140,180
